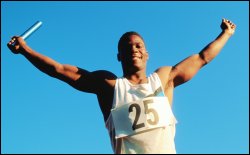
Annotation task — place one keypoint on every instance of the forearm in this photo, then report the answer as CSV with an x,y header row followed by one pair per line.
x,y
214,48
43,63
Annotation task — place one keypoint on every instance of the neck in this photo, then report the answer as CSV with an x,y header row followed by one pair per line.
x,y
137,77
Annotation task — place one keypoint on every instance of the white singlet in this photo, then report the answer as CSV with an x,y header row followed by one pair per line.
x,y
141,120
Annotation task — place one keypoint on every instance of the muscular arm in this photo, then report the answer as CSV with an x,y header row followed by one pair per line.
x,y
50,66
185,70
80,79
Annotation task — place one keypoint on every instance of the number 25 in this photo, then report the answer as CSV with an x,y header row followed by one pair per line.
x,y
147,111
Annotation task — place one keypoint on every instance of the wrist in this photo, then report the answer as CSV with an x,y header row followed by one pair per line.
x,y
24,49
227,32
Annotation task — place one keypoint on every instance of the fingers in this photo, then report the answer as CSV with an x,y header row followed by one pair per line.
x,y
12,41
15,43
16,40
229,23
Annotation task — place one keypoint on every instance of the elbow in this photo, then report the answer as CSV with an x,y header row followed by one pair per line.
x,y
54,71
204,58
58,69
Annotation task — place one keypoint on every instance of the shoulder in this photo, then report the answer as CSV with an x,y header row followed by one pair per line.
x,y
96,80
104,76
164,71
100,74
164,74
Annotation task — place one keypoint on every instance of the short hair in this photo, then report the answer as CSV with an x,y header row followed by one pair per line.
x,y
124,38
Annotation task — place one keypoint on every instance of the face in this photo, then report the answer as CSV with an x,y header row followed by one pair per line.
x,y
133,53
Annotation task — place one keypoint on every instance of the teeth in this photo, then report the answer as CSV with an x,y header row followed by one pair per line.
x,y
137,56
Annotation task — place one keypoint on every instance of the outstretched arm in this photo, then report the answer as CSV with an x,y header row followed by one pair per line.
x,y
78,78
185,70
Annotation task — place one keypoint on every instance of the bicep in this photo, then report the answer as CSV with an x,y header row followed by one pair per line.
x,y
186,69
67,73
78,78
91,82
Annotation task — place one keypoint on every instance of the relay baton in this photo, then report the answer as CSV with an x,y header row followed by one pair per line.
x,y
31,30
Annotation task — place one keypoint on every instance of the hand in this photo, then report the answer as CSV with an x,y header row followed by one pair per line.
x,y
228,26
16,44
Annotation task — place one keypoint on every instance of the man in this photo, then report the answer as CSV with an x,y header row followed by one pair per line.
x,y
135,107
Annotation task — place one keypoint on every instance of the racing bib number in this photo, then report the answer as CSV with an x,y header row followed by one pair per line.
x,y
142,115
137,109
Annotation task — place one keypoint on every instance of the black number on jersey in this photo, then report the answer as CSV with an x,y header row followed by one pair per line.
x,y
147,111
137,115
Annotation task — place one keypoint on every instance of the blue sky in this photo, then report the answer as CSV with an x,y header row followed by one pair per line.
x,y
40,114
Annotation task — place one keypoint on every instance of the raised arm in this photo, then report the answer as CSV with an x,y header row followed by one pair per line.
x,y
78,78
186,69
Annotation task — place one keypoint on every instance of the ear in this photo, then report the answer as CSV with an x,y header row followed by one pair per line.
x,y
118,56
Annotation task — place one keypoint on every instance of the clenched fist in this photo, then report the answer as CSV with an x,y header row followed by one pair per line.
x,y
16,44
228,26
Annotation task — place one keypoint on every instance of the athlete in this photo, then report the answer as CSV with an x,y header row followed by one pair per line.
x,y
136,107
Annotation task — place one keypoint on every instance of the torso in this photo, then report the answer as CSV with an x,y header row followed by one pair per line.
x,y
105,98
127,91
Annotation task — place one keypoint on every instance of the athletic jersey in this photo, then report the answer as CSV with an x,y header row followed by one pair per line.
x,y
141,120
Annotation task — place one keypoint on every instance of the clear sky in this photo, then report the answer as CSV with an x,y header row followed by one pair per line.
x,y
40,114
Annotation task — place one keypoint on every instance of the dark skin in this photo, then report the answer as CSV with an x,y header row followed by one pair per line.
x,y
133,58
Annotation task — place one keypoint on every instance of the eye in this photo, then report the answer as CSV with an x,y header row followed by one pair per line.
x,y
139,46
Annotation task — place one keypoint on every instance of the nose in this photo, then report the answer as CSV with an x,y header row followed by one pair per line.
x,y
134,49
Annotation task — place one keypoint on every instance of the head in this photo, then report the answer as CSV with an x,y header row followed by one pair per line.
x,y
132,52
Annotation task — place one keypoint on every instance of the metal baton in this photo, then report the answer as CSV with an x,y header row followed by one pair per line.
x,y
32,29
29,31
